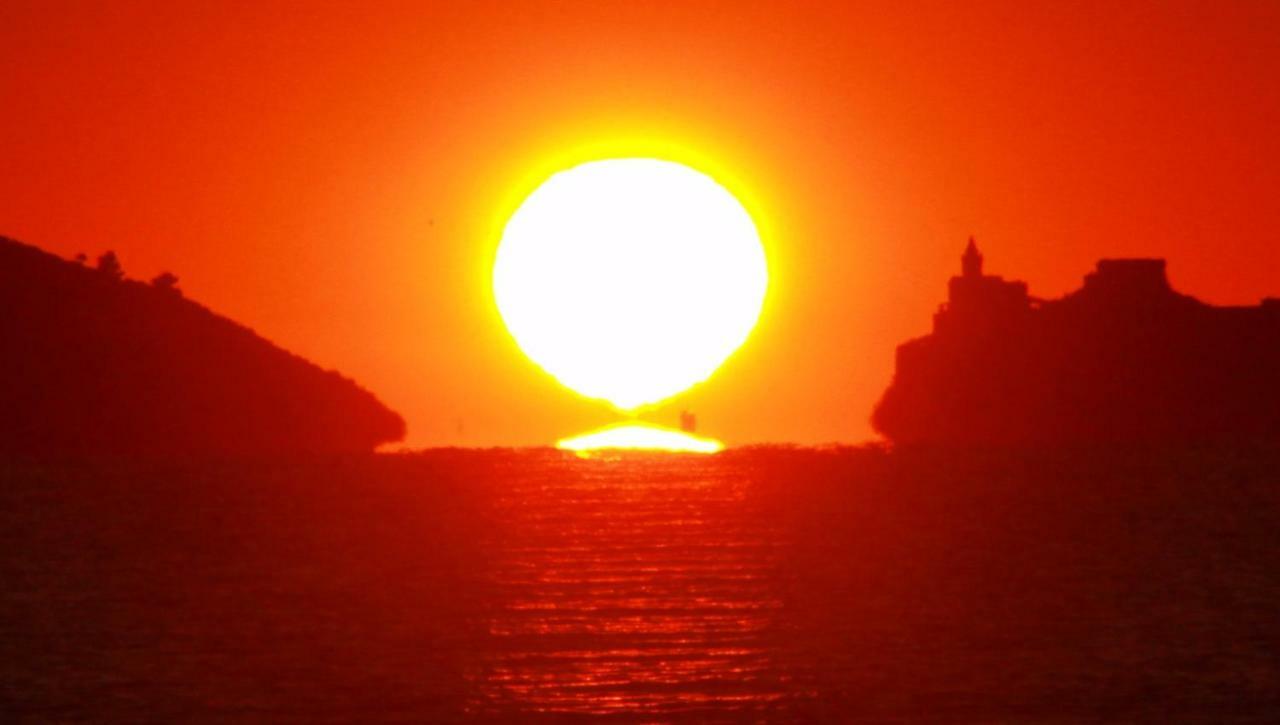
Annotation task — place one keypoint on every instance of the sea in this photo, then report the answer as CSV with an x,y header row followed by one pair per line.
x,y
772,584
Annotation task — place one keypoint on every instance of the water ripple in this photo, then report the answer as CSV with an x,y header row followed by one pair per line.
x,y
640,587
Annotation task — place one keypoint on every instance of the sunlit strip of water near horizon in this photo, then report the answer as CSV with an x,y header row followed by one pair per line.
x,y
637,436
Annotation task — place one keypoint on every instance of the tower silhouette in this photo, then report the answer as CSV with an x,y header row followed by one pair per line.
x,y
971,262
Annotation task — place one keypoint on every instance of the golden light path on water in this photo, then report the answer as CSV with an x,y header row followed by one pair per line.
x,y
635,436
647,588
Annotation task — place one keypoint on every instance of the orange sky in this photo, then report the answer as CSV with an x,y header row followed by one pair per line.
x,y
332,175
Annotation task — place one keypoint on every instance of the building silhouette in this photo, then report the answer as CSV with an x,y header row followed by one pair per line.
x,y
976,300
1125,358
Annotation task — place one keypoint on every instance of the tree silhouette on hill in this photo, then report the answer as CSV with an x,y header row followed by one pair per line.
x,y
166,281
109,265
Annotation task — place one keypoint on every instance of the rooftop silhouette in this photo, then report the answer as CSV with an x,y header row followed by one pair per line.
x,y
98,365
1124,359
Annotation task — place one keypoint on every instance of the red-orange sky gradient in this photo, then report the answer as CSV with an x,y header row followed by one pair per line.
x,y
333,175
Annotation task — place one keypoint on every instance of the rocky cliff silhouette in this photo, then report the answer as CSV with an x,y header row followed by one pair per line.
x,y
1125,359
94,364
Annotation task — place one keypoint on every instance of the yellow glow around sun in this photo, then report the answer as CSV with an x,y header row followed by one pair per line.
x,y
630,280
639,436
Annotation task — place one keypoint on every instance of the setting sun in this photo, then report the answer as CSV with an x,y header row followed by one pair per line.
x,y
630,280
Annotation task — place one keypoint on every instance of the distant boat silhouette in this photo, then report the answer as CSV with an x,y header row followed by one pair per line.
x,y
95,364
1123,359
688,422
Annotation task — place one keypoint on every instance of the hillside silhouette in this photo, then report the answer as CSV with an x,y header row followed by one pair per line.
x,y
98,365
1125,359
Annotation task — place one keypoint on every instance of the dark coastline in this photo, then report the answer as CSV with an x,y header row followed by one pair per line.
x,y
97,365
1125,360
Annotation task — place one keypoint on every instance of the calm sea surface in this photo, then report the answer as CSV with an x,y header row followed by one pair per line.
x,y
768,585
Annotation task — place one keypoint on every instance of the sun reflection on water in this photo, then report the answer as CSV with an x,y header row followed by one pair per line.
x,y
639,586
636,436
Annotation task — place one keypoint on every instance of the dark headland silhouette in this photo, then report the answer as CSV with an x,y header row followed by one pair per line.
x,y
1125,359
95,364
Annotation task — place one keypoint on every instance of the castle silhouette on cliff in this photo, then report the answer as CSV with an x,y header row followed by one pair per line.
x,y
1124,359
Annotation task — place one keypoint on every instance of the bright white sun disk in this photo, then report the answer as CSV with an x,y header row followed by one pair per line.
x,y
630,280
